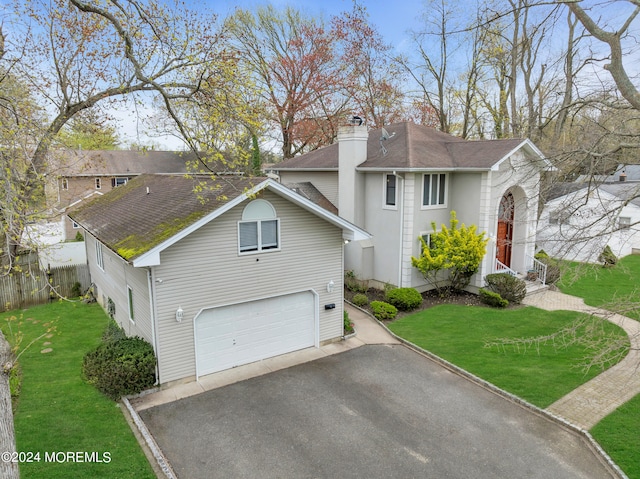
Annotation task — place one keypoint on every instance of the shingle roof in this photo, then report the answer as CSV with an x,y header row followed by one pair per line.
x,y
123,162
310,192
135,217
412,146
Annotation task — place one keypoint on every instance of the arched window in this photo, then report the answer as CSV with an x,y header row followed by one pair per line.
x,y
259,228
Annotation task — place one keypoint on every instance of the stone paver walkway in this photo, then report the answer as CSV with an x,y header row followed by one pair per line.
x,y
585,406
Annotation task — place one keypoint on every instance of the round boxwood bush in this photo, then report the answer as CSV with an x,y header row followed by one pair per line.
x,y
383,311
360,299
404,299
492,299
509,287
121,367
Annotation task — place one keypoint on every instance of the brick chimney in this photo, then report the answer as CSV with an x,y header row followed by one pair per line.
x,y
352,151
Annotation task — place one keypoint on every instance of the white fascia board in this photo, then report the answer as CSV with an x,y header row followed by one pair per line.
x,y
350,231
302,169
533,148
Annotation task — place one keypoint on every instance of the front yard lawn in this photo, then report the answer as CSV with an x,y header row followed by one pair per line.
x,y
540,375
613,288
618,434
57,411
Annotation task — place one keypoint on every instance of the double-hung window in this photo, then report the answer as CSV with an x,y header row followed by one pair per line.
x,y
130,301
624,222
99,258
434,189
259,229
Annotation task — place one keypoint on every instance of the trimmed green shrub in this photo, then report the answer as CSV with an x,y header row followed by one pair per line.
x,y
509,287
76,289
360,300
404,299
113,332
121,367
348,325
607,258
383,311
492,299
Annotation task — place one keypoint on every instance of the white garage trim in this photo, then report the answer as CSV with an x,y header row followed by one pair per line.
x,y
253,344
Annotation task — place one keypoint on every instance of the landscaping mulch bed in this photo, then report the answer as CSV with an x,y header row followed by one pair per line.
x,y
429,299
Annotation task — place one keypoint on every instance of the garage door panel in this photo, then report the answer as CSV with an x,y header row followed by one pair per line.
x,y
238,334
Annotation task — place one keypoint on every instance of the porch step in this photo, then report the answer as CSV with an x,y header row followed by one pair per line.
x,y
534,287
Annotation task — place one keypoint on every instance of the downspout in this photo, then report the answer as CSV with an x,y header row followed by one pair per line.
x,y
401,211
153,313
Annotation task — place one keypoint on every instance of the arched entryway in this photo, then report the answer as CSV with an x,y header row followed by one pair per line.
x,y
504,237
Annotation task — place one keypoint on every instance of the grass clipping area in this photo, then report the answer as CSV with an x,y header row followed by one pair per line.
x,y
497,346
64,426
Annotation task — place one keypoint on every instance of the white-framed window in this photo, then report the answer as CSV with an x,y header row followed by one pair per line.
x,y
98,183
65,183
624,222
434,189
259,229
426,236
390,187
130,301
99,257
119,181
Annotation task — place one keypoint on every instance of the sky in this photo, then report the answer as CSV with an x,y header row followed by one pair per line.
x,y
392,19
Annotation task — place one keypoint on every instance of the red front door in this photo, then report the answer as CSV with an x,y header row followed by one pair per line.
x,y
504,237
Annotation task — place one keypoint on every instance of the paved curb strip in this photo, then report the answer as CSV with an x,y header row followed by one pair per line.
x,y
151,442
593,445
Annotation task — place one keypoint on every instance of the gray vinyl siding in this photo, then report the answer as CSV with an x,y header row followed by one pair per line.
x,y
204,270
112,283
325,181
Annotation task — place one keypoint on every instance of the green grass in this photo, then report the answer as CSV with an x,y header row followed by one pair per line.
x,y
57,411
609,288
540,375
614,288
616,435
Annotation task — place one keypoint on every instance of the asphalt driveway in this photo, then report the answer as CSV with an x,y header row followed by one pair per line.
x,y
372,412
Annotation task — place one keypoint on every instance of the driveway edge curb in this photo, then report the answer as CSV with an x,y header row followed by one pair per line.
x,y
161,460
590,441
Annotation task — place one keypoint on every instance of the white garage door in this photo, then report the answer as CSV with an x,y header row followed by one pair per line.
x,y
241,333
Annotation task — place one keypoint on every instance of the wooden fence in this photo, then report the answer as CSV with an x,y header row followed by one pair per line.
x,y
21,290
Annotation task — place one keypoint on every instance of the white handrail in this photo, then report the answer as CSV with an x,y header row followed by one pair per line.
x,y
500,267
539,268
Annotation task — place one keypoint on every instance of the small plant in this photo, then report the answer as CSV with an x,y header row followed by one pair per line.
x,y
360,300
76,289
353,284
113,332
79,236
509,287
118,367
492,299
348,324
607,258
404,299
383,311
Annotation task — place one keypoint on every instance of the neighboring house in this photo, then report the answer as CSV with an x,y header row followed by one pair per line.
x,y
394,182
241,271
580,219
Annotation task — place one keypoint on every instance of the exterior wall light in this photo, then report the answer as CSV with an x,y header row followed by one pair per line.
x,y
179,314
330,286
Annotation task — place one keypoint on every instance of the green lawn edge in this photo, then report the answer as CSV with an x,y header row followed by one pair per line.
x,y
72,429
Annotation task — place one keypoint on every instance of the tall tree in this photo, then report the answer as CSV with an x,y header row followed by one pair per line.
x,y
76,54
293,62
371,79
